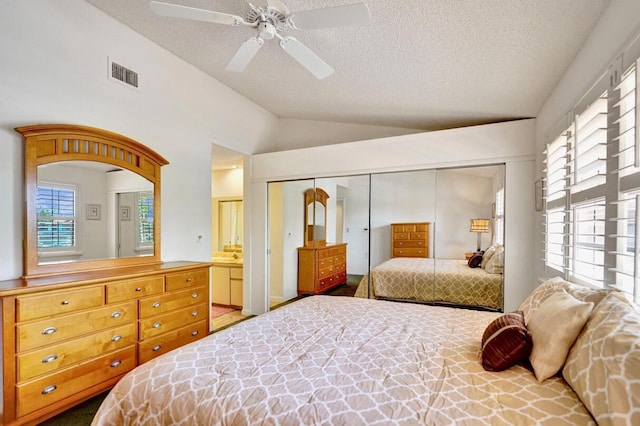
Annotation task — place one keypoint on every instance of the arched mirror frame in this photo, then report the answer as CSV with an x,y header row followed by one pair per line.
x,y
49,143
312,196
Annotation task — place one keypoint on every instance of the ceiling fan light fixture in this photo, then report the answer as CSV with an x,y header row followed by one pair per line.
x,y
266,30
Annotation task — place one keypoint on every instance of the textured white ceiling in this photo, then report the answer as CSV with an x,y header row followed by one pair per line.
x,y
420,64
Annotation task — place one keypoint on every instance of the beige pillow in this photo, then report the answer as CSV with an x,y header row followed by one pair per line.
x,y
554,327
487,256
553,285
495,265
603,366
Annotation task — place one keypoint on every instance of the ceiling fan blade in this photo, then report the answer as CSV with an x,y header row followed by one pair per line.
x,y
279,6
339,16
185,12
301,53
245,54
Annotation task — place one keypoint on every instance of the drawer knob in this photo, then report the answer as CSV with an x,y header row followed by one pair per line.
x,y
138,289
49,330
48,359
156,348
116,363
116,314
116,338
65,302
194,313
49,389
194,295
156,305
156,324
194,333
189,279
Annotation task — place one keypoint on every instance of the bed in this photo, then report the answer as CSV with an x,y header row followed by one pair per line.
x,y
437,280
342,360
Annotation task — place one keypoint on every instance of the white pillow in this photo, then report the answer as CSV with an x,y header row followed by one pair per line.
x,y
554,327
495,265
487,255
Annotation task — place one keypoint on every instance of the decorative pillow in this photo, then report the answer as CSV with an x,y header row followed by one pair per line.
x,y
554,326
603,366
474,261
505,342
495,265
553,285
487,255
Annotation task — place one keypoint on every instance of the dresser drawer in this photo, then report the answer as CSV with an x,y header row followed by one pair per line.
x,y
325,262
195,278
323,253
409,243
325,272
165,302
48,390
162,323
55,330
401,236
418,236
338,251
58,302
409,252
157,346
47,360
132,289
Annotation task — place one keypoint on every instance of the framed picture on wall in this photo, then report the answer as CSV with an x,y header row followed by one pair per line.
x,y
93,211
125,213
538,195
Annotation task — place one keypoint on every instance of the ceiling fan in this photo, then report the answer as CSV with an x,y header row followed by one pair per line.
x,y
270,18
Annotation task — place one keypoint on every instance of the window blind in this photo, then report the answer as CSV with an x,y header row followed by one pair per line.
x,y
56,217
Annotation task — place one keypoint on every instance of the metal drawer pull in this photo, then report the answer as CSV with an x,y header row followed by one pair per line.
x,y
156,325
65,302
194,313
49,330
189,279
156,305
194,333
116,338
49,389
138,289
156,348
194,295
116,314
116,363
48,359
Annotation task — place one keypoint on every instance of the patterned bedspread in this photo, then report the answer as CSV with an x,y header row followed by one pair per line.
x,y
340,361
436,280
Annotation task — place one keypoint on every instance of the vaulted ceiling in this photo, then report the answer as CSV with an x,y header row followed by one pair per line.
x,y
418,64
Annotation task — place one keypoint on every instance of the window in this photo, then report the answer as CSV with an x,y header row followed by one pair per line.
x,y
56,207
592,186
145,219
499,217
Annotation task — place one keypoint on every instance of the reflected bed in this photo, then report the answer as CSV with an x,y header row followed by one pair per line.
x,y
436,280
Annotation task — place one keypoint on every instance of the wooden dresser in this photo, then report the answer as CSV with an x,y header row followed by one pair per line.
x,y
410,239
67,338
321,268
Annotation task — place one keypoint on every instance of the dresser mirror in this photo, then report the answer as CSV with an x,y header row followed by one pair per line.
x,y
92,200
315,217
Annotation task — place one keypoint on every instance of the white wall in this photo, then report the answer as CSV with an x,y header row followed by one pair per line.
x,y
54,70
511,143
617,27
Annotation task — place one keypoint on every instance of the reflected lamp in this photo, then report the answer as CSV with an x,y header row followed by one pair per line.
x,y
480,226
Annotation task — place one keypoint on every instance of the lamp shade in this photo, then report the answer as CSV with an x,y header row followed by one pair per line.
x,y
479,225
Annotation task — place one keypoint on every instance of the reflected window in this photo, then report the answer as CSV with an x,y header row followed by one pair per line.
x,y
56,206
145,219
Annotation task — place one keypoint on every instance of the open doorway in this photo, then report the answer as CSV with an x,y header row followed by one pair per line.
x,y
227,286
